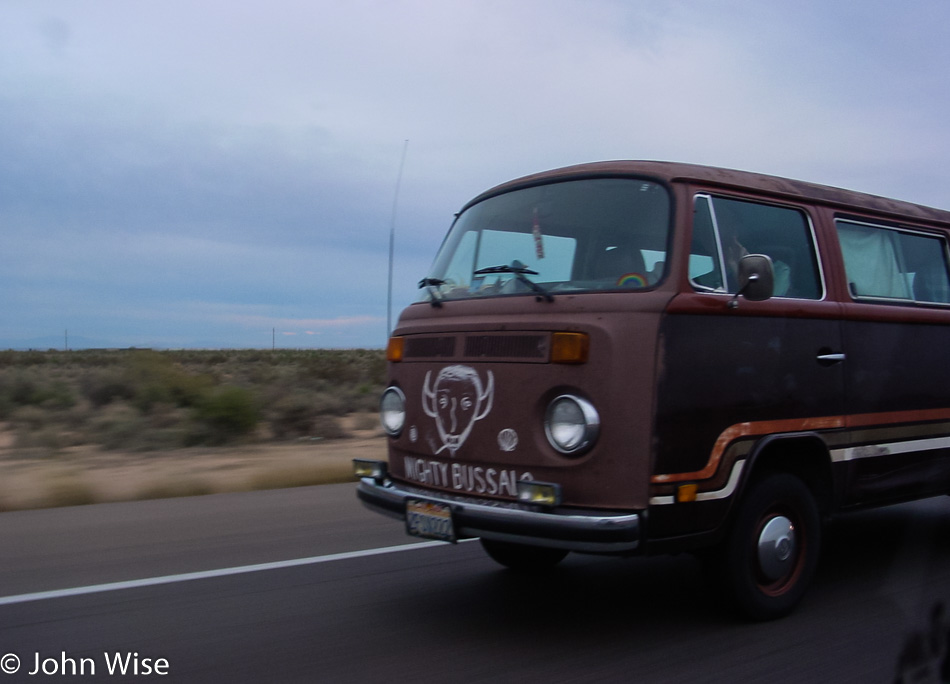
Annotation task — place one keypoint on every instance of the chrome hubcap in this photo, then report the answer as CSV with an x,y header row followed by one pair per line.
x,y
777,548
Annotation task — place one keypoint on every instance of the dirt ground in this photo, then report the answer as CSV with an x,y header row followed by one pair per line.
x,y
81,475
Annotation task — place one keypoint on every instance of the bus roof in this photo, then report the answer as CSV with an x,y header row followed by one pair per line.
x,y
672,172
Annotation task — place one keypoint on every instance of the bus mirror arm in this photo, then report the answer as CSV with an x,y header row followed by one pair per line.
x,y
756,279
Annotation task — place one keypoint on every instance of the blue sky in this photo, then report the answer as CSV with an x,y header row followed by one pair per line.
x,y
200,174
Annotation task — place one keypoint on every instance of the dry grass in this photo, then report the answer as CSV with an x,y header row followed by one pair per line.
x,y
68,490
302,476
85,474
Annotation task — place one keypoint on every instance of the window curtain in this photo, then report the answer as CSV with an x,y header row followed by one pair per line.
x,y
872,262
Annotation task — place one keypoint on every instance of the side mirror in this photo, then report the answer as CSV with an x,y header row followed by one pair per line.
x,y
756,278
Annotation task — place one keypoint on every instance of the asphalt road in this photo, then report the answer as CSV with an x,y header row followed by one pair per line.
x,y
435,613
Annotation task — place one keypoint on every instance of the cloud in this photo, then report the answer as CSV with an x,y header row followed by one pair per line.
x,y
244,161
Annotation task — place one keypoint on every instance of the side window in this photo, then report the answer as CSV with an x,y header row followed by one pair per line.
x,y
725,230
886,263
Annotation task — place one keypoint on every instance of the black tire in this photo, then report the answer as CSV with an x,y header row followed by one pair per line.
x,y
521,557
771,552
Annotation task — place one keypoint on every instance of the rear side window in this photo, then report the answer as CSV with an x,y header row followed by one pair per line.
x,y
889,263
725,230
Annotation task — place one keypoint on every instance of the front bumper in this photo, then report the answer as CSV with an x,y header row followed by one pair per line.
x,y
595,532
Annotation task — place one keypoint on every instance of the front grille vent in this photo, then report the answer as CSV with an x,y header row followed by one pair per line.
x,y
506,346
429,347
503,347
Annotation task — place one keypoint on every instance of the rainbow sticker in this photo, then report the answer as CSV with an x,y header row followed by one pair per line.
x,y
632,280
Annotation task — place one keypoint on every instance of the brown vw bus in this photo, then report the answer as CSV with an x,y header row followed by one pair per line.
x,y
644,357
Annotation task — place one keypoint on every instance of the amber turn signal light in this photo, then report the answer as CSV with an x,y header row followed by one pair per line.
x,y
394,349
686,493
570,347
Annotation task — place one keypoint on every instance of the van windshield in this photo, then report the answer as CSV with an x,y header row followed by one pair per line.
x,y
572,236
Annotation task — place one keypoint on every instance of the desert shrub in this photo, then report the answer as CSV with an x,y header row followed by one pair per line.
x,y
156,379
76,420
140,399
40,426
227,413
23,389
363,399
327,427
366,421
58,395
47,438
337,371
30,388
344,367
376,369
31,417
326,403
261,374
163,439
166,416
292,416
105,385
117,427
308,414
31,358
121,426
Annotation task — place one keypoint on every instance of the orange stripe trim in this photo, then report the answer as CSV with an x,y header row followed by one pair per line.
x,y
924,416
768,427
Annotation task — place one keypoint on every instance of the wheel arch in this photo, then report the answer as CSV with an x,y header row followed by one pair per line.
x,y
804,455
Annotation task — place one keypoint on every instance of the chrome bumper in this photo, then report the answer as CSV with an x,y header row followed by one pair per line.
x,y
572,530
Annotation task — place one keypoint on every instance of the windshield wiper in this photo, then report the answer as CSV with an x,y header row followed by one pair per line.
x,y
521,273
431,284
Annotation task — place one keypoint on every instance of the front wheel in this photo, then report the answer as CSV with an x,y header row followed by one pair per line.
x,y
771,552
521,557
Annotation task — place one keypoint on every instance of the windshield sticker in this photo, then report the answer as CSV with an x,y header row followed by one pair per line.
x,y
457,401
632,280
536,232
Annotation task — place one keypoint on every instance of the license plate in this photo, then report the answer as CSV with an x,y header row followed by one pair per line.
x,y
430,520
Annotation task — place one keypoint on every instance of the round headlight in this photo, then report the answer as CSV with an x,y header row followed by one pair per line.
x,y
571,424
392,411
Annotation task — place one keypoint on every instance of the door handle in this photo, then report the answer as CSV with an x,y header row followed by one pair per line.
x,y
829,358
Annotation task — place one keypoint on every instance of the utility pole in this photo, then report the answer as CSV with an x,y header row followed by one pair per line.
x,y
392,242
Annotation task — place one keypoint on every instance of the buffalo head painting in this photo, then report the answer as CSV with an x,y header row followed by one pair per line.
x,y
457,400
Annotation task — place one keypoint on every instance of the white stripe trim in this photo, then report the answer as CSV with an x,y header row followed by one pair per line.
x,y
730,485
875,450
209,574
837,456
728,490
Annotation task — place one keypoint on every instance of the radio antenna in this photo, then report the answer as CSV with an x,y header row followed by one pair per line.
x,y
392,242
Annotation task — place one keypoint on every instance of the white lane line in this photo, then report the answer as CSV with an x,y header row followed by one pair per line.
x,y
207,574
